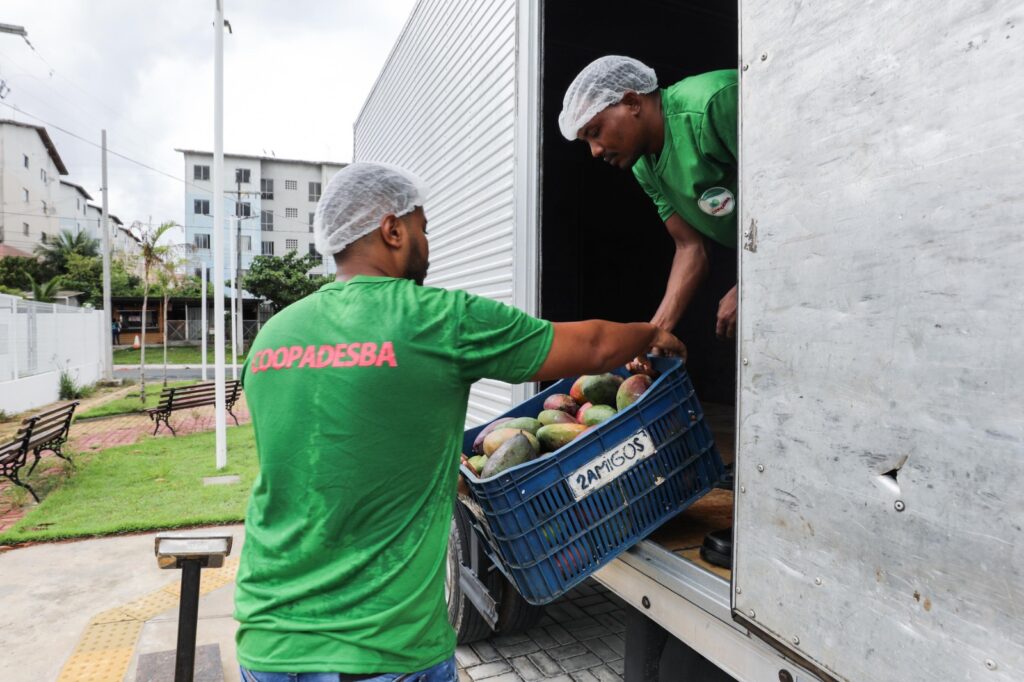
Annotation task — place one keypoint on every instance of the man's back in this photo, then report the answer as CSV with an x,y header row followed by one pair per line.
x,y
358,395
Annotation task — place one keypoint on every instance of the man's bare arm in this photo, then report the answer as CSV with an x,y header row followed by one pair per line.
x,y
689,268
596,346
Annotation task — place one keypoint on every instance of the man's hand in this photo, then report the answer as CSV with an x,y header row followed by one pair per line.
x,y
664,343
726,324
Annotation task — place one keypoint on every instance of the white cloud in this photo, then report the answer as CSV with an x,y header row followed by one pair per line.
x,y
296,75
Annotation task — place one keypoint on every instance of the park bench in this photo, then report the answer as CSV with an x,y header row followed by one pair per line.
x,y
186,397
44,431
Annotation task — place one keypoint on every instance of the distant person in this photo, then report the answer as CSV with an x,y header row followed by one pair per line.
x,y
115,328
358,395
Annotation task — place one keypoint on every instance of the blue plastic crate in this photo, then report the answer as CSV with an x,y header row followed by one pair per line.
x,y
552,522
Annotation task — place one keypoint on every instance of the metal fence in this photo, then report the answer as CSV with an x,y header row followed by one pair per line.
x,y
36,338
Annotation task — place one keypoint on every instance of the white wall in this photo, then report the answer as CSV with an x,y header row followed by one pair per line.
x,y
37,340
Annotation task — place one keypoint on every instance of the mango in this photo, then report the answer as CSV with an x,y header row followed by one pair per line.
x,y
601,389
525,423
496,438
597,414
554,436
582,412
631,390
576,392
477,463
563,402
478,442
548,417
514,451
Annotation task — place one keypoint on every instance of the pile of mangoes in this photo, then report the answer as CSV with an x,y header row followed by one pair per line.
x,y
510,441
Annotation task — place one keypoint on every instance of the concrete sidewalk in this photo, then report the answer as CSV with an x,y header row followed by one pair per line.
x,y
89,610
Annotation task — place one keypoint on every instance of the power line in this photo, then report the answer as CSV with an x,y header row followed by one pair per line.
x,y
228,193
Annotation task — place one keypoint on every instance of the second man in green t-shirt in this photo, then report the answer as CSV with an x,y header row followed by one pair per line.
x,y
680,143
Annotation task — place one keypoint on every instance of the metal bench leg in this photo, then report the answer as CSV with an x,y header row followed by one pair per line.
x,y
168,422
233,416
26,486
34,463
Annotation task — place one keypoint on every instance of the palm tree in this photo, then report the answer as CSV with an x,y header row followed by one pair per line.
x,y
153,255
54,251
45,292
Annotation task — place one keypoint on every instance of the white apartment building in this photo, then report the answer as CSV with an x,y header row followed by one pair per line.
x,y
31,193
275,199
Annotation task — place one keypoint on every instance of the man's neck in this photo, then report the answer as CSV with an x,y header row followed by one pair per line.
x,y
348,269
655,124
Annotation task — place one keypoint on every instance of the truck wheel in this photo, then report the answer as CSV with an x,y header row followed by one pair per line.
x,y
467,622
515,614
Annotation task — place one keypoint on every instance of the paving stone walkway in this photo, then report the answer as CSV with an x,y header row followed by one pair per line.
x,y
581,638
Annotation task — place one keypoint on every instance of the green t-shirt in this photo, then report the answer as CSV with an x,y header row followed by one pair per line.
x,y
358,394
695,173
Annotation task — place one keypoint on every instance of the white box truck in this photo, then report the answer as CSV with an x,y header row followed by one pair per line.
x,y
874,398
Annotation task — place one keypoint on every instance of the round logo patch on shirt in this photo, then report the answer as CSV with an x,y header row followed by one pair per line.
x,y
717,201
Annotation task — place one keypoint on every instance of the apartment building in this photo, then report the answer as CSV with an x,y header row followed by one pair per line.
x,y
30,185
270,201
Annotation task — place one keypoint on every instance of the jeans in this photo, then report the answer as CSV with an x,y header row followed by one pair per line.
x,y
442,672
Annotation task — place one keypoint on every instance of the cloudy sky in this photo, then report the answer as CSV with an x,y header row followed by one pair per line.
x,y
296,74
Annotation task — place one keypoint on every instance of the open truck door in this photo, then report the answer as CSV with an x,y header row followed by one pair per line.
x,y
881,420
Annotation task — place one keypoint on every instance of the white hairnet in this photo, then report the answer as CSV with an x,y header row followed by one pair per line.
x,y
356,199
601,84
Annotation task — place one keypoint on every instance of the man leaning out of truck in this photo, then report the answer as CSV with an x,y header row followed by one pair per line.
x,y
680,144
358,395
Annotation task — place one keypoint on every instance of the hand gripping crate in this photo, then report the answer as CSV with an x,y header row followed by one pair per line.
x,y
551,522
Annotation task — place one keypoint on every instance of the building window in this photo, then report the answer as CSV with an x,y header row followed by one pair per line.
x,y
315,254
200,172
266,189
267,221
201,206
1,234
42,237
78,204
25,160
242,175
44,208
291,184
291,213
42,174
243,209
314,191
202,241
291,244
246,243
24,229
312,217
267,248
25,191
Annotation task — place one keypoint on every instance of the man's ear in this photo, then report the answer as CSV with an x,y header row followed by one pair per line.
x,y
391,231
632,102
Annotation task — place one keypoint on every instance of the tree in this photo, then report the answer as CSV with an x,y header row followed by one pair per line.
x,y
85,274
54,251
45,292
283,280
153,254
167,281
16,272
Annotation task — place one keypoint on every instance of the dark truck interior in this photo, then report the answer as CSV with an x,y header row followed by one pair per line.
x,y
605,252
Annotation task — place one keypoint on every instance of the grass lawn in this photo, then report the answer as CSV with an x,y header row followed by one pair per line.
x,y
154,484
130,403
176,355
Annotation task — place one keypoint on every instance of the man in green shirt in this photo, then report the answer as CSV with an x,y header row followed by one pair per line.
x,y
358,395
680,143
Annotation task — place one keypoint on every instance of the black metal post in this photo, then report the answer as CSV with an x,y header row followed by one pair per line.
x,y
188,620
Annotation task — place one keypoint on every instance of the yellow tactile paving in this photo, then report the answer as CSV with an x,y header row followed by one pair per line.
x,y
105,649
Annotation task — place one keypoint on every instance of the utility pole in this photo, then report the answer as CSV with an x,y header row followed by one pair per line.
x,y
220,402
202,325
236,301
108,318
